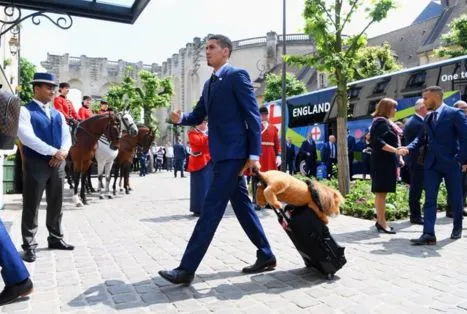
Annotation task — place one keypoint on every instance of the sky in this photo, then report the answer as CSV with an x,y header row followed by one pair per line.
x,y
167,25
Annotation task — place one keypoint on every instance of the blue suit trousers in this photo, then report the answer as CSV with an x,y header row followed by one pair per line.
x,y
452,175
227,185
13,269
415,191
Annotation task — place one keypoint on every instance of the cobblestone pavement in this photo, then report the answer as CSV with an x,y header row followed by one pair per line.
x,y
123,242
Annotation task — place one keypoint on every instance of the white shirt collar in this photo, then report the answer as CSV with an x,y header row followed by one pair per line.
x,y
419,116
440,109
219,72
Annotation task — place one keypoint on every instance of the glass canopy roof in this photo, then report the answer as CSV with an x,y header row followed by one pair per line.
x,y
123,11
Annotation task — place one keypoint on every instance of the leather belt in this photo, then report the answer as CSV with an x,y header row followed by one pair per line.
x,y
267,143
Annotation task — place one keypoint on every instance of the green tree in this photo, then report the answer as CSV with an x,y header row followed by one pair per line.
x,y
336,54
273,88
454,43
373,61
26,74
154,93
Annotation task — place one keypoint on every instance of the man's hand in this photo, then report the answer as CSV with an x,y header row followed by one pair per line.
x,y
176,116
464,168
60,155
402,151
55,163
252,164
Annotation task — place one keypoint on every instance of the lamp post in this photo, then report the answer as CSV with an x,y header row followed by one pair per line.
x,y
284,91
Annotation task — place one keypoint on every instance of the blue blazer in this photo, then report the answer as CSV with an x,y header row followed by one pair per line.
x,y
447,139
412,129
351,143
326,152
309,148
232,111
291,152
179,152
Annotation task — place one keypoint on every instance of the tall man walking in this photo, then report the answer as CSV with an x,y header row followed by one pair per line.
x,y
46,141
446,152
229,102
411,130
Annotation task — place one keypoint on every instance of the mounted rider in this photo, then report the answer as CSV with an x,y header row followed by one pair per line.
x,y
65,106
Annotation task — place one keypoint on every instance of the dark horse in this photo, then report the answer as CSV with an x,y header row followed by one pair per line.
x,y
127,149
83,151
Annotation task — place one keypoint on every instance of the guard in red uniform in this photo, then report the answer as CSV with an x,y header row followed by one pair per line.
x,y
85,111
64,105
104,107
270,158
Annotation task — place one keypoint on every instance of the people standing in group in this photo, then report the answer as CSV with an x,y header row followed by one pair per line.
x,y
350,150
412,129
46,141
64,105
329,155
446,155
385,140
270,157
169,153
179,158
290,155
308,150
199,166
159,158
142,159
85,111
153,150
229,102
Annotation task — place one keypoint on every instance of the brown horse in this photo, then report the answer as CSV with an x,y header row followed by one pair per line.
x,y
83,151
127,149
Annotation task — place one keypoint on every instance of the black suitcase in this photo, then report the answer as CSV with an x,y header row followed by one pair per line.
x,y
312,239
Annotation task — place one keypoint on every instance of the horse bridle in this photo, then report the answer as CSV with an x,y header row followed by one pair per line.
x,y
127,127
107,128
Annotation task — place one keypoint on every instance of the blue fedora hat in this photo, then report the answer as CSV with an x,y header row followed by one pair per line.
x,y
47,78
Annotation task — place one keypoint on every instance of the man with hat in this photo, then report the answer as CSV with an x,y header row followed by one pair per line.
x,y
85,111
270,158
104,107
63,104
46,141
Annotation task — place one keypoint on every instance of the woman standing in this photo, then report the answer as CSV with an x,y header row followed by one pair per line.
x,y
200,167
385,138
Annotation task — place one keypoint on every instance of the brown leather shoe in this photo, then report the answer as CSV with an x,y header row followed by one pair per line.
x,y
13,292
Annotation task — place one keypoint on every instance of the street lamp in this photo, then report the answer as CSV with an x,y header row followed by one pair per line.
x,y
284,90
14,45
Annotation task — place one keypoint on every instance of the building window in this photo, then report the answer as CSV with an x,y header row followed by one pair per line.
x,y
322,80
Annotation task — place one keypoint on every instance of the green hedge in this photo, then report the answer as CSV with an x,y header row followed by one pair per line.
x,y
360,202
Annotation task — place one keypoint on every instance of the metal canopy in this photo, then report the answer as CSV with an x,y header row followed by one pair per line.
x,y
123,11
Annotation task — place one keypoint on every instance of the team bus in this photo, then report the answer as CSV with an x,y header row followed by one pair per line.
x,y
316,111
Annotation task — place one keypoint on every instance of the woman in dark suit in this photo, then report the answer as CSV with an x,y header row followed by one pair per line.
x,y
385,158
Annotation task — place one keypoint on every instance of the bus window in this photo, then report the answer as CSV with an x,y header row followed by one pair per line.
x,y
416,81
381,86
372,105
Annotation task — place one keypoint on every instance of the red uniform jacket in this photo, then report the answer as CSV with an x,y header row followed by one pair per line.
x,y
65,107
200,155
102,111
84,113
270,147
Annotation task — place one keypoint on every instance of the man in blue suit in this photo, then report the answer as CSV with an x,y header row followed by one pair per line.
x,y
411,130
446,132
290,153
229,102
329,154
351,145
308,149
179,158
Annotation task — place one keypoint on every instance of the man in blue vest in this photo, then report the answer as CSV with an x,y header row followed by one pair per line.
x,y
46,141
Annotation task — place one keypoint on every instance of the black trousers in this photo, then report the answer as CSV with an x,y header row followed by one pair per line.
x,y
37,177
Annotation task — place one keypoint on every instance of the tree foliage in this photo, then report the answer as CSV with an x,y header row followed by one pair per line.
x,y
273,88
26,74
336,54
454,43
373,61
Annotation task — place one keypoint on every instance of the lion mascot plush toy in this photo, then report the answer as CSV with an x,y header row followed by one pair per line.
x,y
277,186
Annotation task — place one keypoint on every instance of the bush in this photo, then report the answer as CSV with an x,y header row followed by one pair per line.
x,y
360,202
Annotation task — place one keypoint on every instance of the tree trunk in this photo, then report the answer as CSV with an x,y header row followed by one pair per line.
x,y
342,149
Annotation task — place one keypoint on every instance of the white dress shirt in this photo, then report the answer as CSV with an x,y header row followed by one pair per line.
x,y
28,138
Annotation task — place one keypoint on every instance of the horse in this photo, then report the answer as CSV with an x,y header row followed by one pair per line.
x,y
124,159
105,154
83,151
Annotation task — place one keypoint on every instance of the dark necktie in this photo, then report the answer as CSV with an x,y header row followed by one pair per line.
x,y
433,118
212,80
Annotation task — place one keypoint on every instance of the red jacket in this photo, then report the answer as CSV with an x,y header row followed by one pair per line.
x,y
84,113
65,107
270,147
200,155
102,111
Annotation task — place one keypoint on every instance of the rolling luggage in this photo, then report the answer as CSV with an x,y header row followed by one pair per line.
x,y
312,239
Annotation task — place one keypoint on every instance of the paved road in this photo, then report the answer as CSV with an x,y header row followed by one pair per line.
x,y
122,243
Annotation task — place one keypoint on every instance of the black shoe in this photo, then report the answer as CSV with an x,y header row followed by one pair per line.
x,y
456,233
11,293
260,266
60,245
381,229
417,221
177,276
448,214
29,255
425,239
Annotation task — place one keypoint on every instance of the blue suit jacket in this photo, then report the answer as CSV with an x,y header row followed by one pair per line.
x,y
447,139
326,152
232,111
291,152
351,143
179,152
412,129
309,148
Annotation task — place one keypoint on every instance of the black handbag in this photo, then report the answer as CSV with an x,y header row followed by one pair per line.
x,y
9,110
